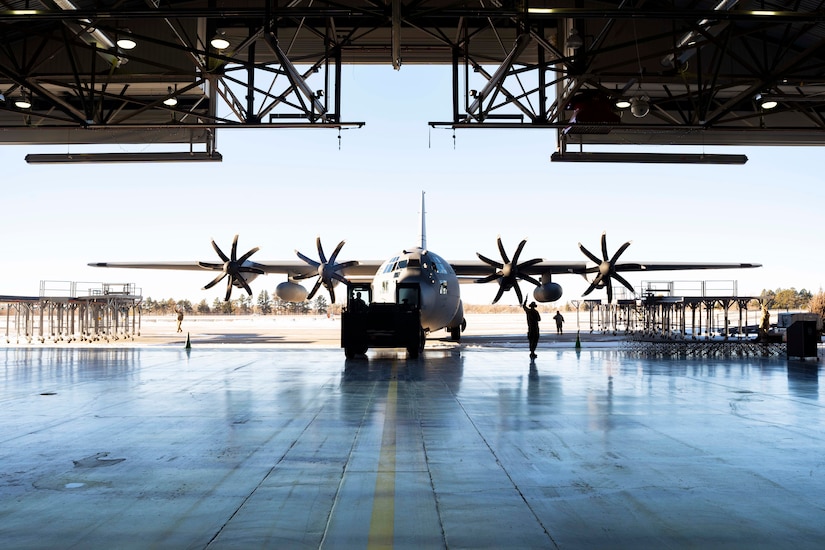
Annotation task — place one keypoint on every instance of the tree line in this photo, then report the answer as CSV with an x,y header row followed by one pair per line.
x,y
266,304
244,304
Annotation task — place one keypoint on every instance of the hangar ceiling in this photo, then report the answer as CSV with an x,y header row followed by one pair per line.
x,y
689,72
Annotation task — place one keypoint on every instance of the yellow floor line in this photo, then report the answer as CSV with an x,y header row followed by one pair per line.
x,y
383,505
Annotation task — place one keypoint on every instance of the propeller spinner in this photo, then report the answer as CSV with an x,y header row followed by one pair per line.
x,y
606,269
508,272
232,267
327,270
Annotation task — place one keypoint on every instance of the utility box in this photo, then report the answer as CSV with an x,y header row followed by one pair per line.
x,y
802,339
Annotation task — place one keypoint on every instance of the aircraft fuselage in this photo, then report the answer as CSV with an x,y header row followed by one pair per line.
x,y
438,297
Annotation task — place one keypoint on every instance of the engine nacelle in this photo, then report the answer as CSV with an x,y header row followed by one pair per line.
x,y
291,292
548,292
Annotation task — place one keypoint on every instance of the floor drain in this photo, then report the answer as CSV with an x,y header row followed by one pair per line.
x,y
49,393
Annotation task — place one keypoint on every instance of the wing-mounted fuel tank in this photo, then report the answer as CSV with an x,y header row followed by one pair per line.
x,y
289,291
547,291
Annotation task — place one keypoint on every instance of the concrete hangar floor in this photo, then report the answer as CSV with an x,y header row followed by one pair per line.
x,y
470,446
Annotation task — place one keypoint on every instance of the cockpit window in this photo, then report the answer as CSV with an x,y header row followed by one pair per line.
x,y
401,264
390,265
414,262
440,265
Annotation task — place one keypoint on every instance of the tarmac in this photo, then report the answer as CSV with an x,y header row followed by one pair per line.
x,y
262,435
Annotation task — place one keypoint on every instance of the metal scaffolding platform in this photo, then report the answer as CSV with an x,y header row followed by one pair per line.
x,y
71,311
676,310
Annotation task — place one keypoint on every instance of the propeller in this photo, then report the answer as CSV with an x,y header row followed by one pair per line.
x,y
606,269
508,272
327,270
232,267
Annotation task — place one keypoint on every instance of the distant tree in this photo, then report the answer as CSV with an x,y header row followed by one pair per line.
x,y
149,306
786,298
203,308
817,304
222,308
244,304
185,305
320,305
264,303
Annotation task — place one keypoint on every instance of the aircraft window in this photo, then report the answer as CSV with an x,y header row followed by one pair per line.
x,y
401,264
414,262
390,265
441,265
408,296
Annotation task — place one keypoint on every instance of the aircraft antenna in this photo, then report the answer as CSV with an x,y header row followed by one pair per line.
x,y
423,243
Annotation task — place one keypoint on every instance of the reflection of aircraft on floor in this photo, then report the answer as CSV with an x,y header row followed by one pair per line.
x,y
419,279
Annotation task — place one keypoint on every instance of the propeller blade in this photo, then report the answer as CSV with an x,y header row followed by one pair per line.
x,y
218,250
228,289
340,278
529,279
609,292
301,276
335,252
207,265
604,245
489,278
502,251
308,260
214,281
590,289
619,252
589,254
314,289
245,285
331,295
499,294
517,288
246,256
488,261
234,254
518,251
345,265
622,280
320,249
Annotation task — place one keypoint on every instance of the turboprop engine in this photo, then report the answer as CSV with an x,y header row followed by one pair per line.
x,y
291,292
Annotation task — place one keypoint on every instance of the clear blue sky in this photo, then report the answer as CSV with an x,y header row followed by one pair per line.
x,y
279,189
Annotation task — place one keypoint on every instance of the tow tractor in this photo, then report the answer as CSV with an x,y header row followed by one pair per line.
x,y
366,324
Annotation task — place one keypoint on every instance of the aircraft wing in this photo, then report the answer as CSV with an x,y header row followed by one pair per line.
x,y
364,269
681,266
471,269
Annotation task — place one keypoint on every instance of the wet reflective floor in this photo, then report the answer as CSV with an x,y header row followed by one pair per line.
x,y
462,448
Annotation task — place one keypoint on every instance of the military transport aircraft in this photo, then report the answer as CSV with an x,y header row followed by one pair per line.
x,y
422,278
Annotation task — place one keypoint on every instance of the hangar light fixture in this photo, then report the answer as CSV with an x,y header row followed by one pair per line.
x,y
219,42
574,40
622,103
126,42
170,101
101,158
23,102
639,106
649,158
765,102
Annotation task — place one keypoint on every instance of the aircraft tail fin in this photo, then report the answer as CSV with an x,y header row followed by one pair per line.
x,y
423,241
